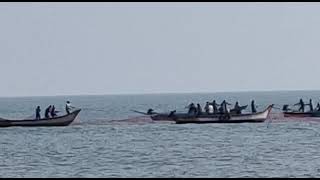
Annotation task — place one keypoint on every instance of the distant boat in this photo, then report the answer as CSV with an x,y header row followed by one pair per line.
x,y
297,114
301,114
287,112
64,120
180,118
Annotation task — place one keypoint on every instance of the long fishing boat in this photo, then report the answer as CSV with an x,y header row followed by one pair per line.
x,y
232,118
64,120
181,118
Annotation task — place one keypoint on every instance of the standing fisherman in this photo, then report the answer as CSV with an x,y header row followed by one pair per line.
x,y
199,109
318,107
38,110
53,112
68,107
192,109
311,105
223,107
211,109
301,103
215,107
224,111
206,108
253,107
47,111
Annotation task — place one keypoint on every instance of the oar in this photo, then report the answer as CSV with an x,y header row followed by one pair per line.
x,y
143,112
139,112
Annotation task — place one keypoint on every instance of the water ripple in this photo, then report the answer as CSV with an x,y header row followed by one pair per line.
x,y
105,144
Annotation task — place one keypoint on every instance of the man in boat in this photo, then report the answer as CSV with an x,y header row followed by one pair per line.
x,y
215,106
253,107
301,103
225,115
68,107
223,107
150,111
53,112
237,108
38,110
286,108
318,107
211,109
192,109
172,113
310,105
199,109
47,111
206,108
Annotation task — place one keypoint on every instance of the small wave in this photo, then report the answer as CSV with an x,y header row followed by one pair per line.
x,y
128,121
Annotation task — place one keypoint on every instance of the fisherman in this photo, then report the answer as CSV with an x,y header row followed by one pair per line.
x,y
237,108
68,107
225,115
192,109
311,105
318,107
47,111
38,110
53,112
211,109
199,109
285,108
206,108
172,113
215,108
150,111
253,107
223,107
301,103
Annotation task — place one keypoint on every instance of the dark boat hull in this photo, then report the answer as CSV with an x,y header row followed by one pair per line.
x,y
57,121
220,121
297,114
302,114
161,117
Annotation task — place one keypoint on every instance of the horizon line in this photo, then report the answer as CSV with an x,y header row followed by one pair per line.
x,y
158,93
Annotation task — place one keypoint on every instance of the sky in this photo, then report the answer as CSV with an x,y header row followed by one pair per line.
x,y
49,49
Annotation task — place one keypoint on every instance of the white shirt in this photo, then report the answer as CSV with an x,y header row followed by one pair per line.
x,y
210,108
69,105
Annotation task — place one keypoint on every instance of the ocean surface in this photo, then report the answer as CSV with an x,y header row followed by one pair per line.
x,y
109,140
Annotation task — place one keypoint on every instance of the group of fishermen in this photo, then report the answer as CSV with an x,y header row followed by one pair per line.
x,y
50,111
302,106
212,108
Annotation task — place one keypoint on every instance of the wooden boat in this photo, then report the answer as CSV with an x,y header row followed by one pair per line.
x,y
302,114
294,113
297,114
64,120
166,116
233,118
180,118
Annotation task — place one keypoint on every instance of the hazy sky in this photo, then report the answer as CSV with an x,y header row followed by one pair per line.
x,y
115,48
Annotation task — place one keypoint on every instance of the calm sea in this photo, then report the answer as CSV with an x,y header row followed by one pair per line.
x,y
109,140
